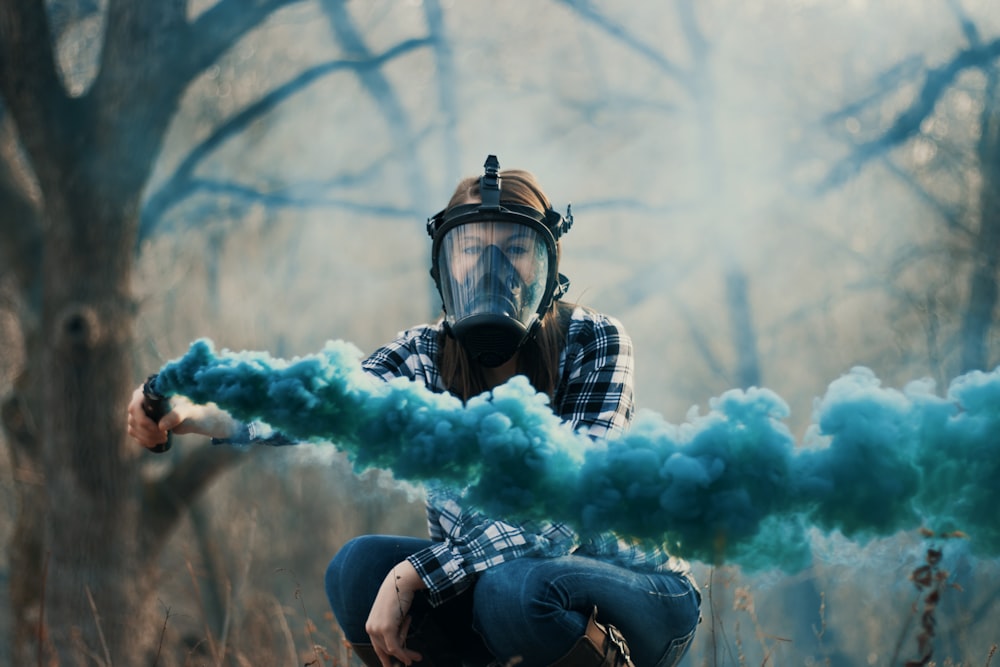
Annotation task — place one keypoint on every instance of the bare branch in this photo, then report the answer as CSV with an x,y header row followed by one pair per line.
x,y
20,224
968,26
174,52
588,12
295,199
380,88
446,81
220,27
29,81
907,124
179,183
695,36
949,213
902,72
168,498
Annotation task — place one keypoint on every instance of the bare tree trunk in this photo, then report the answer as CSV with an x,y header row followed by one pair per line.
x,y
88,533
93,581
743,333
983,289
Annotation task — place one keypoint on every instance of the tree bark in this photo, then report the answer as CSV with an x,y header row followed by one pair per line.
x,y
27,549
91,476
82,551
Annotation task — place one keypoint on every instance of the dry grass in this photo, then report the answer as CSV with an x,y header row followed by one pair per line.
x,y
867,613
915,631
274,634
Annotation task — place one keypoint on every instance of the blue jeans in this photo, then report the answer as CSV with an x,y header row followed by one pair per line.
x,y
531,608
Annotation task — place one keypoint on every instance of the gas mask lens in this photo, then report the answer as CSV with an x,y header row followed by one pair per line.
x,y
493,268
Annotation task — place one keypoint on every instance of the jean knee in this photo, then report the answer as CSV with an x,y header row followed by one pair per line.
x,y
517,594
356,571
490,584
335,570
523,581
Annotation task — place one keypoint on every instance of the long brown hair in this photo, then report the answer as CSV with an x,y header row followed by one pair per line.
x,y
538,358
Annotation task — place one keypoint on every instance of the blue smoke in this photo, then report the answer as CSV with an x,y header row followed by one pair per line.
x,y
729,485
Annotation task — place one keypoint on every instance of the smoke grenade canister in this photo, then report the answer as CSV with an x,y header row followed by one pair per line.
x,y
155,405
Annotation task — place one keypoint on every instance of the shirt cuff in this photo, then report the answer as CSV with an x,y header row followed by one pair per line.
x,y
244,434
441,571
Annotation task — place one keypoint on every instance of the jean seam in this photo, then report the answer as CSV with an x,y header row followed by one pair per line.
x,y
672,596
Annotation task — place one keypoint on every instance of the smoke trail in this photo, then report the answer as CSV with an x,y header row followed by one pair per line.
x,y
730,484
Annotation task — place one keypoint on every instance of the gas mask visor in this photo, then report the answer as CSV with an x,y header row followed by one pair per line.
x,y
494,275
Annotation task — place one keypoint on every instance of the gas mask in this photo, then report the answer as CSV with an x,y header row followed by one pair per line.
x,y
495,267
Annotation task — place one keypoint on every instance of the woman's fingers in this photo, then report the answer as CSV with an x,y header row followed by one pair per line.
x,y
140,427
391,647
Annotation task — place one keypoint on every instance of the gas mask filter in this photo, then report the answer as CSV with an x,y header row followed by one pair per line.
x,y
495,268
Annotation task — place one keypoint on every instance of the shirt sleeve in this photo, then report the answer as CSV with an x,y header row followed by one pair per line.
x,y
596,394
255,433
412,355
471,543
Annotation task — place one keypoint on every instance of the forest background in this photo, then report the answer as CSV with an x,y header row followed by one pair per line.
x,y
766,192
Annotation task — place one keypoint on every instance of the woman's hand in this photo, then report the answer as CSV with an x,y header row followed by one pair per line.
x,y
389,619
184,417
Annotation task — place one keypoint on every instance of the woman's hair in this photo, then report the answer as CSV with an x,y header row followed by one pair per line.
x,y
538,358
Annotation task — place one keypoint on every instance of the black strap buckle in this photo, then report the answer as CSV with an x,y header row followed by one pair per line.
x,y
489,184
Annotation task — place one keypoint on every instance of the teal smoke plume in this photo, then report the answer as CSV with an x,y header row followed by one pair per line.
x,y
731,484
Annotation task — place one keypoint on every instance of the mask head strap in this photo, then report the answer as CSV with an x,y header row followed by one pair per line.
x,y
550,224
489,192
489,185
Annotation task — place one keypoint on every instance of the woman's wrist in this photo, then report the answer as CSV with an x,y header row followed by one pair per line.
x,y
227,430
404,577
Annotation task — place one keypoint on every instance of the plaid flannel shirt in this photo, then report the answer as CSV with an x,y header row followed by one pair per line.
x,y
594,395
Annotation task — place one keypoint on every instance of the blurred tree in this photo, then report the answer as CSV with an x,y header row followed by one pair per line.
x,y
73,169
944,145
